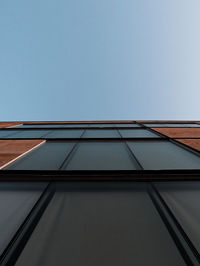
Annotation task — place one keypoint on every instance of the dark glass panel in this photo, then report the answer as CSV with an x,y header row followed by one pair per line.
x,y
127,125
30,134
70,133
54,125
183,200
138,133
16,201
163,155
93,133
101,125
101,225
101,156
49,156
115,125
8,133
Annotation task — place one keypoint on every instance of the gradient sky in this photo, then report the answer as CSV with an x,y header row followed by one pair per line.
x,y
99,59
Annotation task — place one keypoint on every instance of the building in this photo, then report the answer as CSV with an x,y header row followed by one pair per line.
x,y
110,193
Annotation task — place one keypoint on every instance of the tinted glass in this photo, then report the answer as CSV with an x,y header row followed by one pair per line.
x,y
139,133
93,133
70,133
16,201
115,125
49,156
163,155
106,226
101,125
183,200
29,134
101,156
8,133
172,125
54,125
127,125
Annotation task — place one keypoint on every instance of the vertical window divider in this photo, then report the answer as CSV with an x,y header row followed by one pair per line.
x,y
21,237
183,243
69,154
130,150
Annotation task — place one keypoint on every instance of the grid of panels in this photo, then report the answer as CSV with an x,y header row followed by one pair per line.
x,y
134,148
120,218
101,218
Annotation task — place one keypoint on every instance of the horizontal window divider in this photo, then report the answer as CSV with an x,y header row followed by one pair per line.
x,y
99,175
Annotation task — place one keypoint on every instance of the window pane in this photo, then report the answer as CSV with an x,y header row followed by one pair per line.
x,y
163,155
101,156
172,125
30,134
47,157
183,199
16,201
127,125
65,133
54,125
106,226
101,125
93,133
137,133
8,133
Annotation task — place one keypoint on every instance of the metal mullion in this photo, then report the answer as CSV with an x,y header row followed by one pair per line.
x,y
130,150
182,241
21,237
134,156
85,175
69,154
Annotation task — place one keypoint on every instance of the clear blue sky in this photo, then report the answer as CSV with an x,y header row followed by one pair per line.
x,y
99,59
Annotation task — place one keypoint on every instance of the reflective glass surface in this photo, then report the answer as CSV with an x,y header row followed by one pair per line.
x,y
101,125
16,201
101,156
163,155
70,133
100,225
127,125
183,200
93,133
49,156
29,134
138,133
8,133
115,125
53,125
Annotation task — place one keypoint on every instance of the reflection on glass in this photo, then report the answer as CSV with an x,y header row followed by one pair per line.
x,y
102,224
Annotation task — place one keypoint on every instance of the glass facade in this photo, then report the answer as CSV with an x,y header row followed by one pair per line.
x,y
16,201
101,225
107,193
